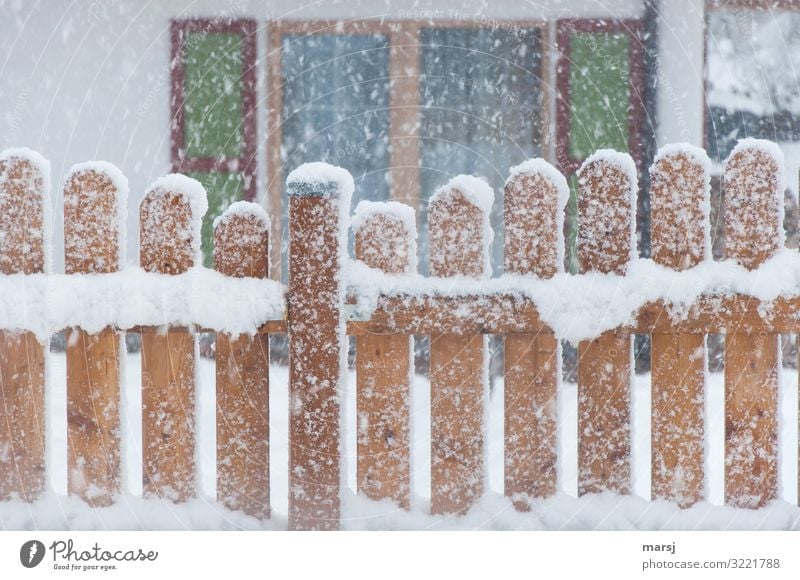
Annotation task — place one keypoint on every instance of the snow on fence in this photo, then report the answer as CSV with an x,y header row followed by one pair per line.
x,y
678,297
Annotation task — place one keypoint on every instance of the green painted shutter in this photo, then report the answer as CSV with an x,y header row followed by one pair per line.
x,y
600,105
599,87
213,114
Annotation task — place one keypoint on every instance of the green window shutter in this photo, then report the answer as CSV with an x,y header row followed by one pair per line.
x,y
599,91
597,100
213,95
213,106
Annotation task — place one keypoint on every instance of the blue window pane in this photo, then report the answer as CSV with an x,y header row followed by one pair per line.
x,y
336,108
480,111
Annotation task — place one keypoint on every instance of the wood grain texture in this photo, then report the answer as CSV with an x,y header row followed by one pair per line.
x,y
168,365
91,246
22,421
677,435
457,368
605,216
383,371
678,196
168,424
532,221
752,235
314,363
241,250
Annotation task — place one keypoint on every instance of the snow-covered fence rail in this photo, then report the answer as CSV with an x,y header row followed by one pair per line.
x,y
678,298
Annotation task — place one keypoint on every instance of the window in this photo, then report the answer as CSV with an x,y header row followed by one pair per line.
x,y
481,99
600,104
336,108
753,71
404,106
213,111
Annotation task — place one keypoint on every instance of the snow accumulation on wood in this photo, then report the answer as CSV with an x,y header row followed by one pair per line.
x,y
581,307
576,307
536,206
605,212
45,304
746,192
392,239
320,178
195,195
537,166
480,194
675,163
92,187
400,211
240,208
18,168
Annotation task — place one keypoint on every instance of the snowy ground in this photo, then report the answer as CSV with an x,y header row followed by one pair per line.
x,y
565,511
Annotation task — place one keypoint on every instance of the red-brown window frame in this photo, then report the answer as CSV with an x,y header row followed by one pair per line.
x,y
246,163
631,27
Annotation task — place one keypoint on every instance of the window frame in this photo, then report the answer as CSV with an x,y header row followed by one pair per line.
x,y
405,68
246,163
636,114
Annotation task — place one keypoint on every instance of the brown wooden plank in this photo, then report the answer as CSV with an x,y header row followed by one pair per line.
x,y
92,246
315,346
753,233
23,194
604,442
679,197
22,419
606,217
534,218
169,238
383,370
457,245
509,313
241,242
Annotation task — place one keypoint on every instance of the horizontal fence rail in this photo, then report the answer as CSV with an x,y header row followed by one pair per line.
x,y
678,297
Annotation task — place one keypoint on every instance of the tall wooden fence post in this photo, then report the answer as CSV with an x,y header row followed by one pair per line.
x,y
169,218
535,197
24,193
459,246
753,233
385,239
241,249
680,203
319,196
606,242
95,197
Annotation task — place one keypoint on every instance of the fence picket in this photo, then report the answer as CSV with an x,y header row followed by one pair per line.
x,y
533,213
318,193
23,194
241,249
459,241
92,245
679,197
753,233
169,217
606,221
384,363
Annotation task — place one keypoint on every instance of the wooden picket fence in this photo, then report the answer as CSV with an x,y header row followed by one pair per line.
x,y
316,315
